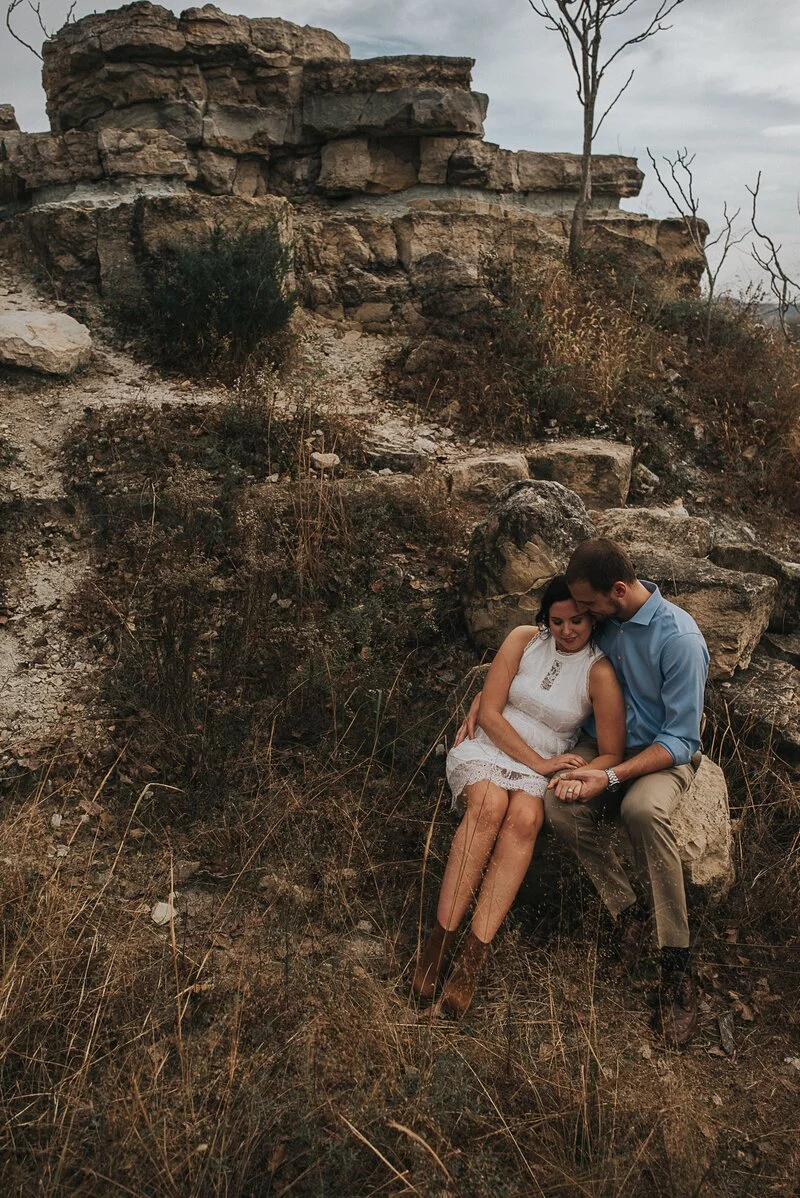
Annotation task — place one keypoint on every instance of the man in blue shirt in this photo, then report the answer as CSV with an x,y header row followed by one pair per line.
x,y
661,661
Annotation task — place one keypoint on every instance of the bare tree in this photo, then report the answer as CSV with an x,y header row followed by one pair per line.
x,y
581,25
766,254
680,191
36,9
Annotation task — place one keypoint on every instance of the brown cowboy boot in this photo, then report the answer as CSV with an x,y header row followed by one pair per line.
x,y
432,960
676,1014
460,988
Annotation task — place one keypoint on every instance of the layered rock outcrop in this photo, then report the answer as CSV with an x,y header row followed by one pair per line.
x,y
529,535
390,188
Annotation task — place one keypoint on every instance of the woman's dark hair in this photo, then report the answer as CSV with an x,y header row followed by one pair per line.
x,y
556,591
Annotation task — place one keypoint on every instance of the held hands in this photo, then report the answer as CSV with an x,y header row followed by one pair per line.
x,y
579,785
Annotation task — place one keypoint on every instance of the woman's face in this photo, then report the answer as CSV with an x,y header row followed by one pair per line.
x,y
570,628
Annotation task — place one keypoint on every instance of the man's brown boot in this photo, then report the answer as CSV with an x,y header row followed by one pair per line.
x,y
676,1016
432,960
460,988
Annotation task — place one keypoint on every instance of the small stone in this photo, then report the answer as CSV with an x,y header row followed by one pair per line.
x,y
325,461
162,913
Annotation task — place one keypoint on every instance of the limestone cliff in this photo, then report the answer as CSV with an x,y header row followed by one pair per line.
x,y
377,168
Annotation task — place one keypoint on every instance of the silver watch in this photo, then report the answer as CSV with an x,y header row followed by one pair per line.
x,y
613,781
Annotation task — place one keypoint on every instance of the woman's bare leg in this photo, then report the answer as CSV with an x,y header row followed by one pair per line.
x,y
472,845
508,864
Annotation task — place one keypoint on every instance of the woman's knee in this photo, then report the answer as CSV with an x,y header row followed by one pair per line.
x,y
487,804
525,816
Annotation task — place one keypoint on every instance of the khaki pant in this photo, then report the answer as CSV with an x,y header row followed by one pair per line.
x,y
644,812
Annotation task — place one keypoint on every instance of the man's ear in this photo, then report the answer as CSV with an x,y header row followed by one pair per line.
x,y
619,590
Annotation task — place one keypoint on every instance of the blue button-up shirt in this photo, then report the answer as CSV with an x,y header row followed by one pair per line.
x,y
661,661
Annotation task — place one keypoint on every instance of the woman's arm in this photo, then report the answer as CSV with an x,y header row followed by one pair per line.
x,y
608,704
494,697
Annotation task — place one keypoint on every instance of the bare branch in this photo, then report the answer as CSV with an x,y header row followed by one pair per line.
x,y
581,25
784,288
624,88
36,9
12,7
680,191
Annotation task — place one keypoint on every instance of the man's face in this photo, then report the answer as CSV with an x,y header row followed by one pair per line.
x,y
601,606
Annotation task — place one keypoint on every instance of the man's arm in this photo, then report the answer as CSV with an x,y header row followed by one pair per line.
x,y
684,664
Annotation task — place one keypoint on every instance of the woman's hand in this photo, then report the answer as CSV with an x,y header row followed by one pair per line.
x,y
564,761
470,722
569,791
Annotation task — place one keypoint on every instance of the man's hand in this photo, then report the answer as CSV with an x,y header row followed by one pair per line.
x,y
470,723
579,786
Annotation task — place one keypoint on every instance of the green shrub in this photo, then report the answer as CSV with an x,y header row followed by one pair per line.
x,y
210,306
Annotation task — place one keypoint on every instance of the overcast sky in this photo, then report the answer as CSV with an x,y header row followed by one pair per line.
x,y
724,81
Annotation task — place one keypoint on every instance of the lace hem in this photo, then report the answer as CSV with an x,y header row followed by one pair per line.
x,y
468,772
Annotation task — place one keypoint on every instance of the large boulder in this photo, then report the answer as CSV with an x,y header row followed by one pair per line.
x,y
485,475
750,559
141,66
671,529
702,826
731,609
598,471
783,645
528,537
762,704
50,342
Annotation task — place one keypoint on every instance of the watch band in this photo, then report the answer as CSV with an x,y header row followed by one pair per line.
x,y
613,781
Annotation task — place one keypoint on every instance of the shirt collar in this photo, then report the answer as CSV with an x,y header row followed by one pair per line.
x,y
650,606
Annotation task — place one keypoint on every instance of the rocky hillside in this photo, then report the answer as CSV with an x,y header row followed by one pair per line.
x,y
239,624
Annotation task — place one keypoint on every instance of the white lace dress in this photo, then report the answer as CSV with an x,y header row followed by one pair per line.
x,y
548,700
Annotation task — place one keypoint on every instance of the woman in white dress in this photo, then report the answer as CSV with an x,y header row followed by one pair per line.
x,y
541,686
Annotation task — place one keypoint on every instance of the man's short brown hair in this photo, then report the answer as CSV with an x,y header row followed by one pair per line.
x,y
601,563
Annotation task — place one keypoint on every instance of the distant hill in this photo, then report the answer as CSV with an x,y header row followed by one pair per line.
x,y
768,313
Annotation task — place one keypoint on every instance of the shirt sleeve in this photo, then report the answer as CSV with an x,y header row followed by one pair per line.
x,y
684,668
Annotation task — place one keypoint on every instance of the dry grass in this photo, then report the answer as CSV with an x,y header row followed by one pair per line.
x,y
262,1042
273,766
598,352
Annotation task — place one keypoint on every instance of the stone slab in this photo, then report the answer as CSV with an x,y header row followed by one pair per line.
x,y
598,471
731,609
671,529
48,342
